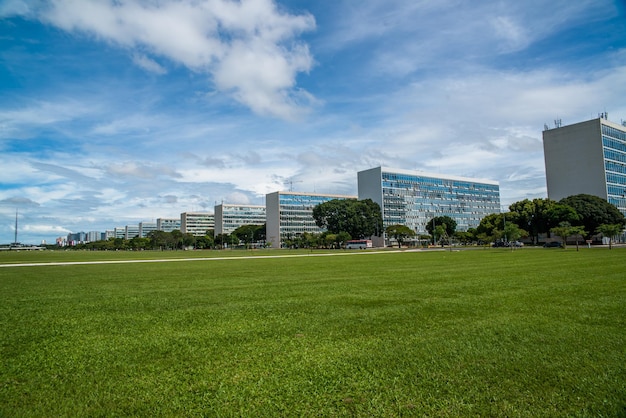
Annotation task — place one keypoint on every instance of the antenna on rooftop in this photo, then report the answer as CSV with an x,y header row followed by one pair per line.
x,y
557,123
291,182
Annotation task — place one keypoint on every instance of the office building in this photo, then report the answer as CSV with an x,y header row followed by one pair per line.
x,y
413,198
131,231
196,223
229,217
290,214
587,158
168,225
145,228
94,236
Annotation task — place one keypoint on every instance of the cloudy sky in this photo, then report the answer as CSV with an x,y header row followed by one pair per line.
x,y
114,112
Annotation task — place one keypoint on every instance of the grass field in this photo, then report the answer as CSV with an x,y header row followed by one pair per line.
x,y
531,332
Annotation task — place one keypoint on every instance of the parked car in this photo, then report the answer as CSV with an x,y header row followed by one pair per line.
x,y
553,244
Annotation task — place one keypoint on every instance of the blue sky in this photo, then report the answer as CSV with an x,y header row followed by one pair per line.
x,y
117,112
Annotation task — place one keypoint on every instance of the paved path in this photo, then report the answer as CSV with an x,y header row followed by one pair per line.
x,y
172,260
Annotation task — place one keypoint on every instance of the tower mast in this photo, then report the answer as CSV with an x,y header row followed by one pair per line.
x,y
15,241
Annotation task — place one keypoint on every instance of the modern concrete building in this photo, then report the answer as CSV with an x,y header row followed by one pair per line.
x,y
291,213
94,236
145,228
131,231
120,232
587,158
168,225
229,217
196,223
412,198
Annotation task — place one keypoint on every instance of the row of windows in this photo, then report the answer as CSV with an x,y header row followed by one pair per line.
x,y
617,190
614,178
469,188
302,200
614,144
615,167
439,194
615,133
425,181
615,155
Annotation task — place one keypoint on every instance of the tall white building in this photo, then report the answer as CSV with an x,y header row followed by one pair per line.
x,y
196,223
229,217
587,158
168,225
412,198
290,214
131,231
145,228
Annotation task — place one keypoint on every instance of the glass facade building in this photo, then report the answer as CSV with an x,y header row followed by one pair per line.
x,y
229,217
587,158
614,150
168,225
196,223
413,198
145,228
290,214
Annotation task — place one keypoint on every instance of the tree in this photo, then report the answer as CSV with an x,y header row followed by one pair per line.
x,y
400,233
539,215
260,234
566,230
246,233
466,237
441,232
188,240
448,224
610,231
158,239
224,240
513,232
562,231
359,218
204,242
176,239
490,227
138,243
593,212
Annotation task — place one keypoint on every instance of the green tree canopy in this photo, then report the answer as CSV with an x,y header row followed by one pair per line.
x,y
539,215
359,218
246,233
447,222
594,211
491,226
400,233
610,231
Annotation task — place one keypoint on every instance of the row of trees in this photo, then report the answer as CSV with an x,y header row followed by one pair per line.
x,y
176,240
575,216
581,216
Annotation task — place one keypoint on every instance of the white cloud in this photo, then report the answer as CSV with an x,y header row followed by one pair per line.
x,y
248,48
148,64
513,35
42,229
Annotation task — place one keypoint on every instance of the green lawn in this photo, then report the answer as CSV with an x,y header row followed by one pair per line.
x,y
530,332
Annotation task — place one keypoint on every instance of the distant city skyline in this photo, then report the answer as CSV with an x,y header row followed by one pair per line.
x,y
118,113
